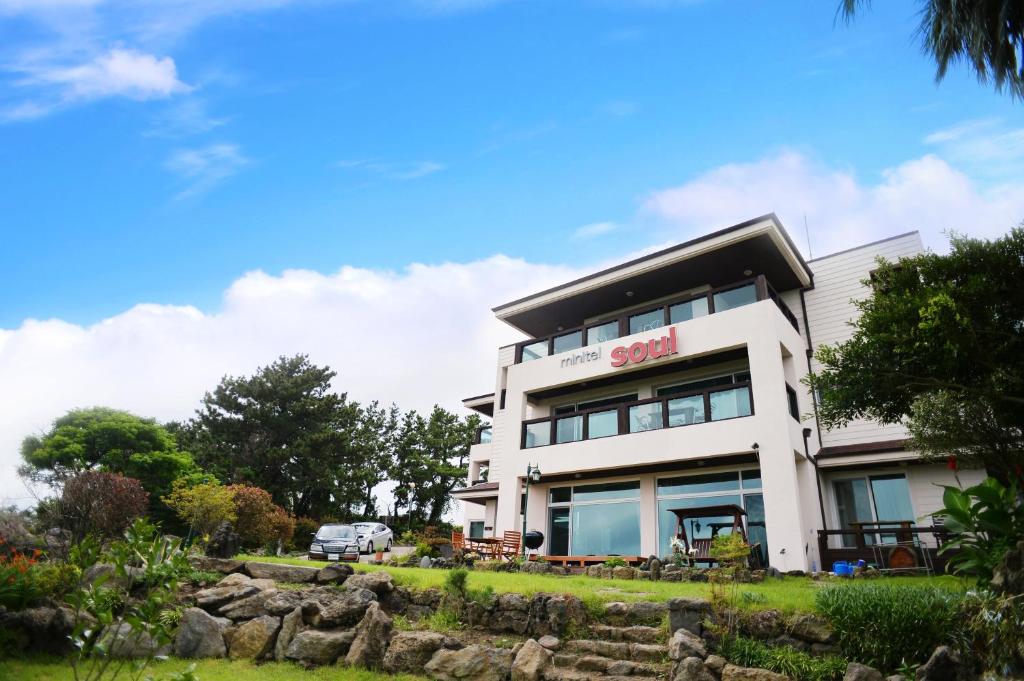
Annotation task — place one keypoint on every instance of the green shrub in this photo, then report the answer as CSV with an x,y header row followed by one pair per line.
x,y
55,580
985,521
747,652
423,549
994,633
615,562
889,625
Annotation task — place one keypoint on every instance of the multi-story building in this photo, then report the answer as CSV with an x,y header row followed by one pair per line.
x,y
675,381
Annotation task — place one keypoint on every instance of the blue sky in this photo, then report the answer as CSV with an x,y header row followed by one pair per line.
x,y
157,155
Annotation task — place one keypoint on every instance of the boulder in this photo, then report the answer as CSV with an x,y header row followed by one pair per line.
x,y
282,602
247,608
623,572
371,641
472,663
234,579
556,614
811,628
378,582
895,677
764,624
224,542
689,614
684,644
944,665
215,597
345,609
637,612
513,602
254,639
692,669
291,624
106,574
550,642
654,568
425,562
280,572
733,673
410,651
336,573
537,567
123,641
716,663
313,646
39,630
530,661
862,672
200,635
224,566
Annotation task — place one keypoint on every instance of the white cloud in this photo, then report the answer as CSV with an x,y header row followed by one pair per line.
x,y
119,72
393,170
417,337
594,229
986,148
204,168
926,194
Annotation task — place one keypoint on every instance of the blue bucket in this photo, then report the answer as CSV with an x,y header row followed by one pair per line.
x,y
842,568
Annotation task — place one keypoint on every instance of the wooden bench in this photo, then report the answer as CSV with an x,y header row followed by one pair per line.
x,y
583,561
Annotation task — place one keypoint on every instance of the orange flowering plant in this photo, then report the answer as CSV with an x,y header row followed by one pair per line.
x,y
18,586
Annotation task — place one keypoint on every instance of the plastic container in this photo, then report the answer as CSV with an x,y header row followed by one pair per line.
x,y
842,568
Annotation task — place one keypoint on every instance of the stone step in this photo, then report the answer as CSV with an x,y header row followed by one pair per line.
x,y
633,634
561,674
618,650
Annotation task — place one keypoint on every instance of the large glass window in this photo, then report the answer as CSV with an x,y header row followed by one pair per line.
x,y
756,532
485,434
737,297
691,309
696,528
606,529
711,489
700,484
728,404
603,332
853,504
538,434
892,498
476,528
606,491
569,429
535,350
558,532
647,321
703,383
569,341
686,410
645,417
602,424
881,499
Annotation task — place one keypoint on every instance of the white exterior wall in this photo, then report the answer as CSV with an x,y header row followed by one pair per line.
x,y
837,282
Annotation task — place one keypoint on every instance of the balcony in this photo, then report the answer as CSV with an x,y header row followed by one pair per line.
x,y
672,311
717,403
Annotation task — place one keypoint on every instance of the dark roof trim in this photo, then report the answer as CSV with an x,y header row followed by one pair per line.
x,y
670,249
479,487
870,243
863,448
478,397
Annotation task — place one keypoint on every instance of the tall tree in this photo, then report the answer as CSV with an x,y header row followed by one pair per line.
x,y
939,344
99,438
987,34
374,447
283,429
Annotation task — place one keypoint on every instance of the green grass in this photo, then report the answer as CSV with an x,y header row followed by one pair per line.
x,y
50,669
789,594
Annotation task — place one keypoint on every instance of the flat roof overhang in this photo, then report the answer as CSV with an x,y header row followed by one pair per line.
x,y
662,467
761,246
482,404
478,493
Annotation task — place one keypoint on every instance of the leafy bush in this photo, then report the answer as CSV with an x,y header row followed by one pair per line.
x,y
747,652
994,633
986,521
101,503
201,506
259,520
423,549
55,580
615,562
304,527
886,625
18,587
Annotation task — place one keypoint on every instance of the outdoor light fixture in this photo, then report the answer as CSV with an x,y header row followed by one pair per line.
x,y
532,475
755,446
629,294
747,273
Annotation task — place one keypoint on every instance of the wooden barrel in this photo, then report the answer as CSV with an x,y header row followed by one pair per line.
x,y
901,558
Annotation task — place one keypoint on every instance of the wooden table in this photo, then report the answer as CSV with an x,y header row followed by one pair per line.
x,y
490,546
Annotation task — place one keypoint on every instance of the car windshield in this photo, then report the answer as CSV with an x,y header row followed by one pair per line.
x,y
364,527
336,532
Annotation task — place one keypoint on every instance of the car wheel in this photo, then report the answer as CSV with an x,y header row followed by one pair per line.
x,y
388,549
369,548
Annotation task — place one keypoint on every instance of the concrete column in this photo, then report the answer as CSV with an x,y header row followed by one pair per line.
x,y
648,516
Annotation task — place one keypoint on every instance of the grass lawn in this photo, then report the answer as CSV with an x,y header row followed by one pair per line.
x,y
789,594
52,669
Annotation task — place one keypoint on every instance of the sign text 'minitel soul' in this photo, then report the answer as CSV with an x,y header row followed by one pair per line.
x,y
652,349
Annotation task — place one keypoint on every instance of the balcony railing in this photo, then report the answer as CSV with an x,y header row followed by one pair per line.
x,y
887,546
671,312
669,411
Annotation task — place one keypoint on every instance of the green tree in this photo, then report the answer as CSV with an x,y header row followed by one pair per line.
x,y
373,448
939,343
99,438
285,430
988,35
202,506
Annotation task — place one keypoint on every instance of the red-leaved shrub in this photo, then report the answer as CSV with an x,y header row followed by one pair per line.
x,y
260,521
101,503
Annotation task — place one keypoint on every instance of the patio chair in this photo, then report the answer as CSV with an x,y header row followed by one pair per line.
x,y
510,544
458,541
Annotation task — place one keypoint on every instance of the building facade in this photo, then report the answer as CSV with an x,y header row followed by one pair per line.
x,y
674,381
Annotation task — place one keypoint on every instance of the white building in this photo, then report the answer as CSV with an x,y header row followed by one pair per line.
x,y
674,381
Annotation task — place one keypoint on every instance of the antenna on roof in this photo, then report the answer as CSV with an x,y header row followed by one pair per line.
x,y
807,231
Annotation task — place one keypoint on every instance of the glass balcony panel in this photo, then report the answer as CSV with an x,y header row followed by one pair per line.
x,y
603,332
688,310
538,434
645,417
569,341
686,410
602,424
569,429
647,321
535,350
729,404
485,435
737,297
